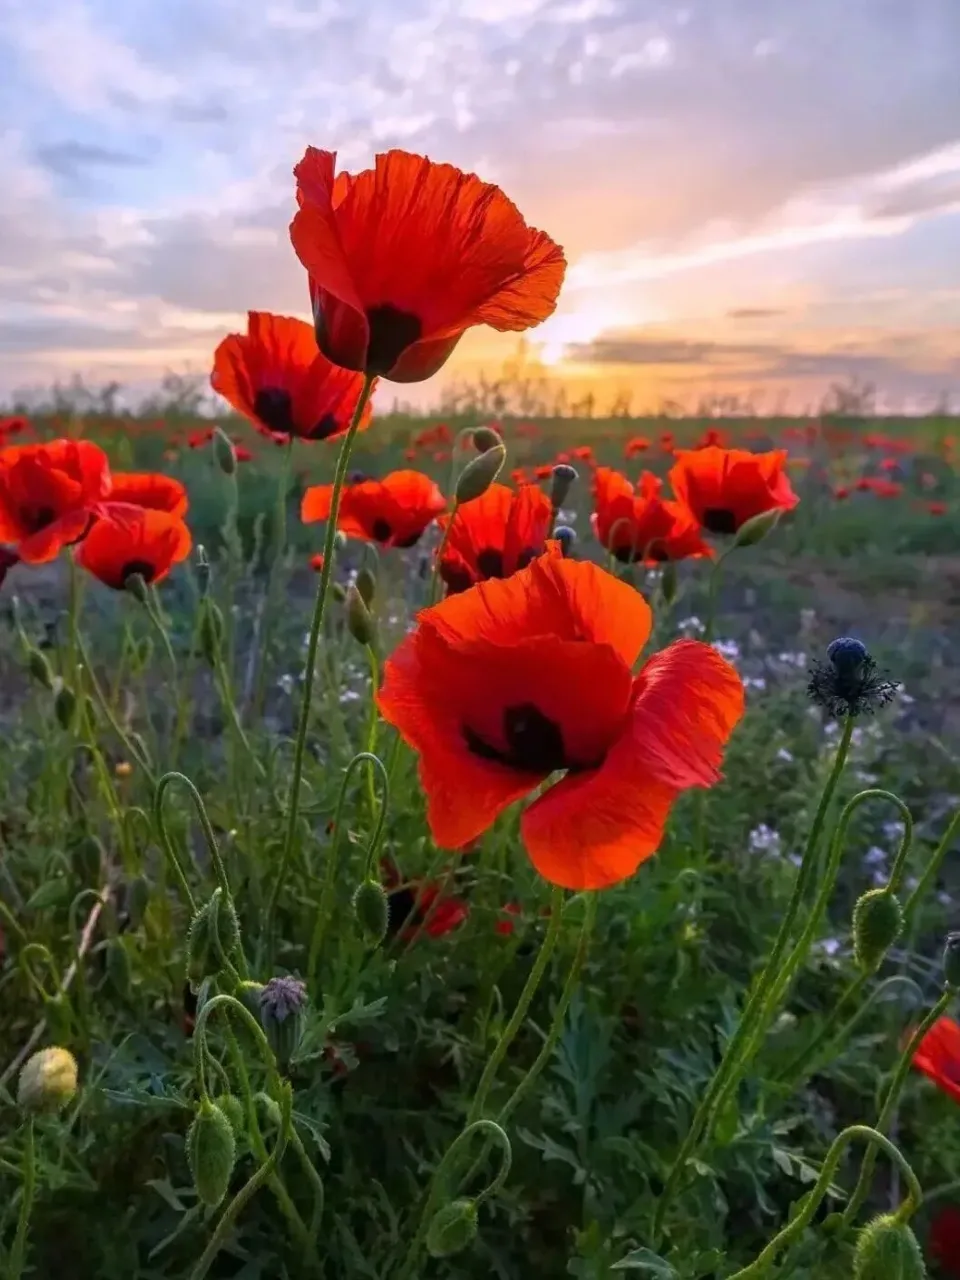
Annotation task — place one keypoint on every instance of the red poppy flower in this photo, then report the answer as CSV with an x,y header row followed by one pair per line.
x,y
841,492
518,476
495,535
938,1056
506,925
501,686
393,511
275,376
582,453
316,562
419,906
724,488
544,471
712,436
151,490
13,426
643,526
242,453
46,492
405,257
635,445
197,439
937,508
126,540
944,1240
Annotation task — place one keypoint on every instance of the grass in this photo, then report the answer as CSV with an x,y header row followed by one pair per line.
x,y
633,1015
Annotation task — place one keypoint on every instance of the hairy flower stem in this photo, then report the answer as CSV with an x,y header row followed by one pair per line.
x,y
273,582
730,1064
761,1265
890,1103
293,802
18,1251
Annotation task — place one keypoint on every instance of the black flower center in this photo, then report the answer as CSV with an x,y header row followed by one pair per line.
x,y
326,427
146,570
534,741
456,580
391,332
525,556
274,408
381,529
490,563
38,518
719,520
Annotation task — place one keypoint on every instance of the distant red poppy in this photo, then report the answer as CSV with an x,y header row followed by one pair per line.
x,y
13,426
316,562
242,453
197,439
393,511
151,490
489,691
506,925
944,1241
724,488
8,558
635,445
713,436
544,471
643,526
938,1056
126,540
937,508
495,535
841,492
405,257
419,907
275,376
582,453
518,476
46,492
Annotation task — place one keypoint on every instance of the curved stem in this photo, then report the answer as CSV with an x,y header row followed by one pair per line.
x,y
296,778
435,575
730,1063
811,1201
219,869
18,1251
930,871
128,745
890,1102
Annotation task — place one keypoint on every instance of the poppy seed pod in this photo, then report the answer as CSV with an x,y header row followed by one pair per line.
x,y
877,921
211,1152
849,682
951,960
566,536
65,707
282,1015
372,911
48,1081
564,477
485,438
224,452
757,527
360,621
477,476
367,585
887,1250
453,1229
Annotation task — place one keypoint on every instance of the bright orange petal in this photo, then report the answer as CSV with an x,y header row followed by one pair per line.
x,y
317,503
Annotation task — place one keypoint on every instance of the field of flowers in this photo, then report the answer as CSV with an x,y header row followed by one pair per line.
x,y
473,848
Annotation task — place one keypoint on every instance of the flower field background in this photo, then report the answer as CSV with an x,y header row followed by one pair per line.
x,y
289,986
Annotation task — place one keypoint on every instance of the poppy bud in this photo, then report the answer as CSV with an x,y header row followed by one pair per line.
x,y
887,1250
137,900
211,630
48,1081
203,572
232,1108
211,1152
87,859
372,911
563,477
248,993
367,585
118,967
756,528
340,541
136,584
668,582
65,707
338,591
477,476
485,438
566,537
269,1110
224,452
39,668
214,931
282,1014
360,623
453,1229
951,960
877,921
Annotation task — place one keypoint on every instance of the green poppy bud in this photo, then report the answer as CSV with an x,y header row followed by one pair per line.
x,y
211,631
118,967
756,529
65,707
214,933
951,960
39,668
224,452
887,1250
48,1081
367,585
282,1016
453,1229
248,993
371,911
211,1152
485,438
564,476
232,1108
269,1110
877,921
360,621
477,476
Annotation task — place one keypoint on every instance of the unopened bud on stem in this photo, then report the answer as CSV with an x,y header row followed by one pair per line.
x,y
477,476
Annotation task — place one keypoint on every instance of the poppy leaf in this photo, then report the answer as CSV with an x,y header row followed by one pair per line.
x,y
647,1261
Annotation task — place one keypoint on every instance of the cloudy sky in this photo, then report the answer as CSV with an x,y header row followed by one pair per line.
x,y
754,195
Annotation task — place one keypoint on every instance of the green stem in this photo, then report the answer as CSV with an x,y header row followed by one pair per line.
x,y
930,872
730,1063
132,750
891,1100
267,617
219,869
435,575
811,1201
316,625
18,1252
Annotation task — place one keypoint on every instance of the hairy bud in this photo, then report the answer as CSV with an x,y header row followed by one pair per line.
x,y
48,1081
477,476
360,621
485,438
282,1016
877,921
224,452
372,911
887,1250
756,528
211,1152
232,1108
65,707
453,1229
